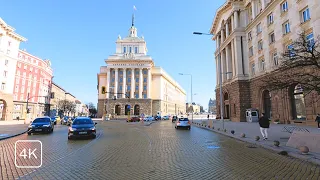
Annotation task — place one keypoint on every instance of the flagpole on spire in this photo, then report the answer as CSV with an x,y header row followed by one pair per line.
x,y
134,9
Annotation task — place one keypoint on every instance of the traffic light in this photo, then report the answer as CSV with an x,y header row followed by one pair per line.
x,y
103,90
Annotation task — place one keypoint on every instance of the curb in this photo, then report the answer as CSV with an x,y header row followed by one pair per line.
x,y
7,137
309,158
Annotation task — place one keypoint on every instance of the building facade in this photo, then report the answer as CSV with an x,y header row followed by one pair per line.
x,y
130,83
32,84
60,94
9,49
250,37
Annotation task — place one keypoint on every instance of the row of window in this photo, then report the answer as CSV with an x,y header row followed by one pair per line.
x,y
128,49
136,95
129,88
129,72
129,80
25,67
305,16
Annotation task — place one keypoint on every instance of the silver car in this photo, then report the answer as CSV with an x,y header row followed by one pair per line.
x,y
183,122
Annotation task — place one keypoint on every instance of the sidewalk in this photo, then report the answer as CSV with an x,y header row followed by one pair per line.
x,y
9,130
251,130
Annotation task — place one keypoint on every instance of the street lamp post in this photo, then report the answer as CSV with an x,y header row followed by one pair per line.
x,y
191,92
220,81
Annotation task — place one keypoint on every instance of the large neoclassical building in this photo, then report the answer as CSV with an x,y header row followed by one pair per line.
x,y
138,85
250,37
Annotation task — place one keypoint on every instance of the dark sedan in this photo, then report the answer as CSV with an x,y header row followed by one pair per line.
x,y
134,119
82,127
41,125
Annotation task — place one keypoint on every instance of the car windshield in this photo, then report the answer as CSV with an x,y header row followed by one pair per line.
x,y
183,119
82,121
41,120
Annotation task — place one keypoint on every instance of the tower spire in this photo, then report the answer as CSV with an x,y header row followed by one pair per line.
x,y
132,20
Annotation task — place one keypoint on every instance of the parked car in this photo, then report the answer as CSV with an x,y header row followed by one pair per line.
x,y
64,120
149,118
41,125
174,118
183,122
165,117
134,119
82,127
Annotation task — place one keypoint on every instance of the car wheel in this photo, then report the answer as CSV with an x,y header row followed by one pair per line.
x,y
94,136
29,133
55,123
189,128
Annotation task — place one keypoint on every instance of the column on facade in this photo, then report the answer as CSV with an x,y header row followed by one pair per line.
x,y
232,23
263,4
236,19
124,82
140,83
116,82
234,62
228,62
217,69
254,8
132,84
149,83
227,29
222,36
238,56
217,41
108,82
223,66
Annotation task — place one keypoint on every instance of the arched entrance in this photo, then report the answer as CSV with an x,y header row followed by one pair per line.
x,y
127,109
266,95
3,109
117,110
226,106
136,109
298,103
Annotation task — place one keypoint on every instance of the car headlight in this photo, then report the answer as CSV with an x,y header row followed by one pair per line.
x,y
72,129
46,125
93,129
31,126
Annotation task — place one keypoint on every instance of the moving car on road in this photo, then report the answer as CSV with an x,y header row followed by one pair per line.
x,y
41,125
174,118
64,120
82,127
183,122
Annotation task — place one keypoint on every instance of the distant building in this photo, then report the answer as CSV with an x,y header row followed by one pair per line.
x,y
131,83
195,107
212,106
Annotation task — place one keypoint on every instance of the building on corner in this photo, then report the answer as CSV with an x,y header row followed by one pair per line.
x,y
250,36
130,82
9,49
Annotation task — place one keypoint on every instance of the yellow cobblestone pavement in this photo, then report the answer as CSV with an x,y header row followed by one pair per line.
x,y
159,151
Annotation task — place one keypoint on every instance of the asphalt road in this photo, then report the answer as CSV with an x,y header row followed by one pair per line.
x,y
159,151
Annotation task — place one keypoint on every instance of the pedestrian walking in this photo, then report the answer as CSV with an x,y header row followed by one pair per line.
x,y
18,118
264,126
208,116
318,120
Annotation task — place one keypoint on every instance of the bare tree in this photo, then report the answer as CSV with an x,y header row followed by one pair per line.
x,y
66,107
92,108
300,65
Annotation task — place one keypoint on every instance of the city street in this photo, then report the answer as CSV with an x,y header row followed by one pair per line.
x,y
158,151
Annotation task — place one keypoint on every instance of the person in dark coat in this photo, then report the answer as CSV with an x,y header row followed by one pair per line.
x,y
264,126
208,116
318,120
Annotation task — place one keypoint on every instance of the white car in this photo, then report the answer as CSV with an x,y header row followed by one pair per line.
x,y
149,118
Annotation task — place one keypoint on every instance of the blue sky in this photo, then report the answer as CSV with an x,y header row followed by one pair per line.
x,y
77,36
